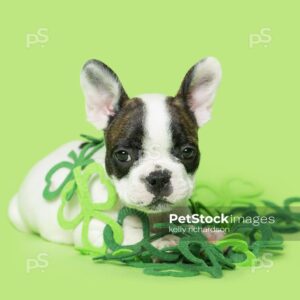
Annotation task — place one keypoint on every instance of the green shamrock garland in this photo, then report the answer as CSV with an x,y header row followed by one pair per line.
x,y
193,255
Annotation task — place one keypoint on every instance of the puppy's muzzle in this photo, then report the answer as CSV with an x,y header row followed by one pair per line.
x,y
158,183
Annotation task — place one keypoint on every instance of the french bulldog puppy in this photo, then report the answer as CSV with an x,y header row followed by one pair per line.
x,y
151,155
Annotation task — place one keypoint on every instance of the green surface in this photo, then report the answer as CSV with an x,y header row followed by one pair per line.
x,y
254,133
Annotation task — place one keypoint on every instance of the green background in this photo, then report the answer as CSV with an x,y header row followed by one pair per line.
x,y
254,133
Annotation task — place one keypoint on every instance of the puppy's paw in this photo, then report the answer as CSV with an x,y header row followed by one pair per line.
x,y
168,240
213,237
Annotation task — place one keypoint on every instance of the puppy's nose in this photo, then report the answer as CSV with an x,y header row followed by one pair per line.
x,y
158,182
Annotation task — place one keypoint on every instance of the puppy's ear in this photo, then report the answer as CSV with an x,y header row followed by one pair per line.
x,y
103,92
199,87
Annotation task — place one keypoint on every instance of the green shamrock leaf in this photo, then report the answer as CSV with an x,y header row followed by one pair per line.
x,y
89,209
83,159
239,246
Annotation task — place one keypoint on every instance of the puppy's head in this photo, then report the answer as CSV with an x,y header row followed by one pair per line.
x,y
151,140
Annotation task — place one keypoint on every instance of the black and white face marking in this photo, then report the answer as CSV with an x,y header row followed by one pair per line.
x,y
151,140
124,139
161,175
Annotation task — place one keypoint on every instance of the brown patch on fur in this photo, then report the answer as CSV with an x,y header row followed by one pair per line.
x,y
125,131
184,118
130,114
184,132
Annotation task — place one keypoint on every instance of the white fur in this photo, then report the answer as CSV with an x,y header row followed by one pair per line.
x,y
157,124
30,212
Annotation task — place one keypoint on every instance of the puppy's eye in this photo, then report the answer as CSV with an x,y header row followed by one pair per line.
x,y
187,152
122,156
